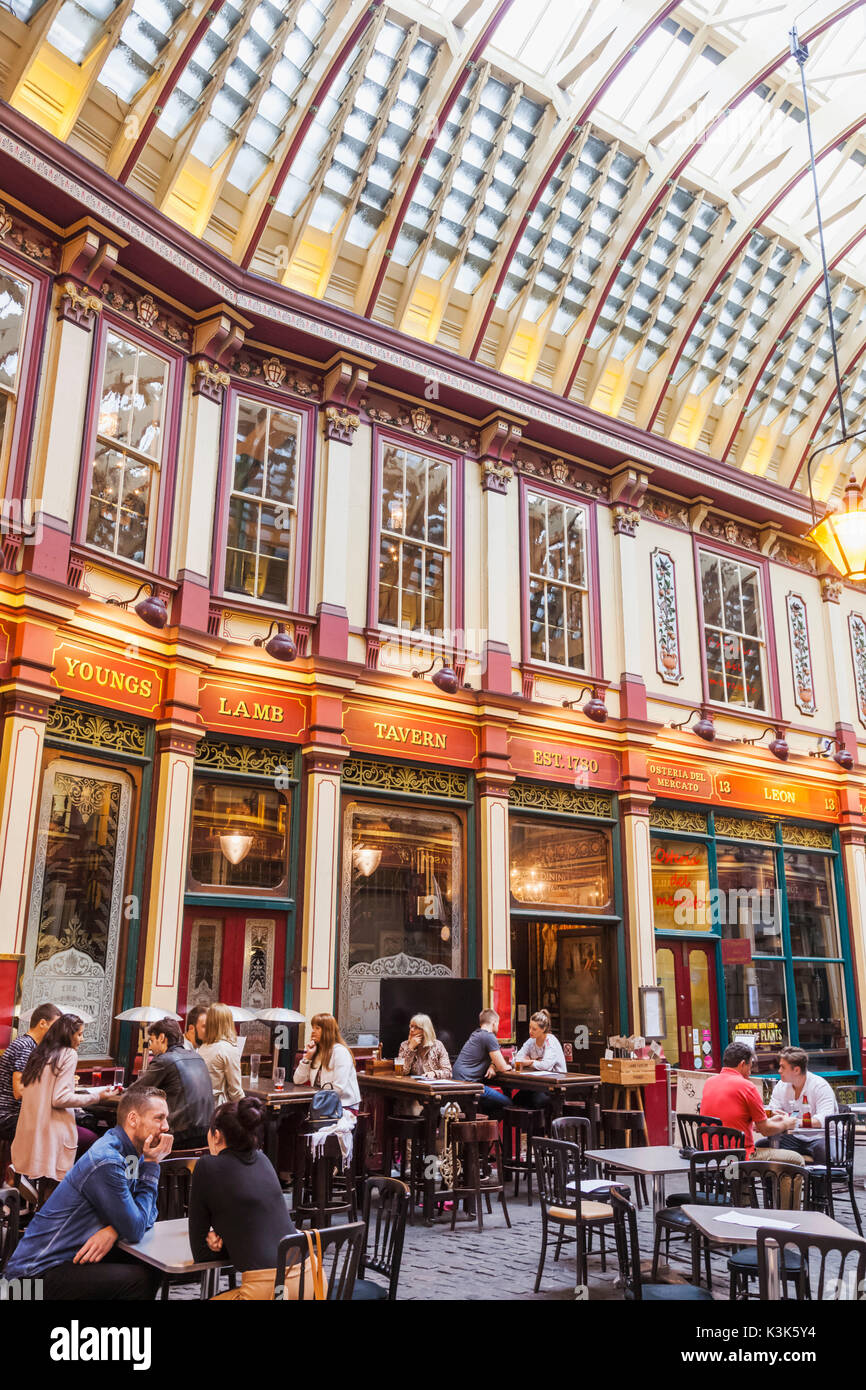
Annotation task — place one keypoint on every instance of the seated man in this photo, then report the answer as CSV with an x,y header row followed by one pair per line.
x,y
800,1090
185,1079
734,1099
109,1195
12,1064
479,1058
193,1033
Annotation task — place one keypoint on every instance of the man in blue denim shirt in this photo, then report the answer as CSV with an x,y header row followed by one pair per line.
x,y
109,1195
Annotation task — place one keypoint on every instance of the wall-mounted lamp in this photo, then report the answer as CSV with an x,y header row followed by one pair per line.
x,y
446,678
279,645
594,709
825,749
705,728
778,745
151,610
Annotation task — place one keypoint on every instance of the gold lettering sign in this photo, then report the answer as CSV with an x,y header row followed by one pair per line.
x,y
239,709
403,733
574,762
103,677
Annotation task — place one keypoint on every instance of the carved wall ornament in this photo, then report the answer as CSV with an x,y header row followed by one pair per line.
x,y
531,796
123,300
340,424
563,473
559,469
66,724
414,781
273,371
251,366
625,521
443,430
787,552
731,531
665,617
77,305
208,380
146,311
801,654
422,420
666,510
857,628
29,241
6,223
495,477
672,818
831,588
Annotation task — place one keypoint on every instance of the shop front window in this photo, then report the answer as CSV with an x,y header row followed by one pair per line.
x,y
757,1009
555,865
402,907
681,886
809,885
819,991
749,903
239,837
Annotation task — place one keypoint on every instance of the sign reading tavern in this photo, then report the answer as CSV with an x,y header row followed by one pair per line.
x,y
398,734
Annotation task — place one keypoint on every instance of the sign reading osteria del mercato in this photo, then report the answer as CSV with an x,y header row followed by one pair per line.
x,y
744,790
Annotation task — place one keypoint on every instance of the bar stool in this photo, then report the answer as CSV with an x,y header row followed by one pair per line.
x,y
404,1149
518,1128
476,1152
321,1189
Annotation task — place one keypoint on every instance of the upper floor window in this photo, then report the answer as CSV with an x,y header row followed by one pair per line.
x,y
557,580
130,431
733,631
14,297
415,541
262,509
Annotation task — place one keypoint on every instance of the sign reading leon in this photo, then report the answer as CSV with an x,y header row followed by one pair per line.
x,y
105,678
748,791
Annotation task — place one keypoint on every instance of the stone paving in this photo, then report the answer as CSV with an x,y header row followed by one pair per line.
x,y
466,1265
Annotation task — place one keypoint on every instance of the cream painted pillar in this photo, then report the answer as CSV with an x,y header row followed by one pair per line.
x,y
836,645
322,885
854,864
500,437
336,462
176,745
637,866
63,403
628,486
197,485
494,873
20,782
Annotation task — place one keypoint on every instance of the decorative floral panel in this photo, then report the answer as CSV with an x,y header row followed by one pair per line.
x,y
857,628
801,655
667,629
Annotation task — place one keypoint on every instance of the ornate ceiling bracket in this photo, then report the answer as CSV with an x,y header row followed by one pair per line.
x,y
219,338
209,380
628,487
831,589
500,437
86,261
345,381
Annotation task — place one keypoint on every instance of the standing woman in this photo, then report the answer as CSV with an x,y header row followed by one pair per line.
x,y
327,1061
220,1052
47,1137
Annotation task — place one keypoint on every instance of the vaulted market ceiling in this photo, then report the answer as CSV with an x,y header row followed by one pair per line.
x,y
611,201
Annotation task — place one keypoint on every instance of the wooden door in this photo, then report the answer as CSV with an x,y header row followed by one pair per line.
x,y
686,970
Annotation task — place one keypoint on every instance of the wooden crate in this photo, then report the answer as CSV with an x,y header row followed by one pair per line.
x,y
628,1071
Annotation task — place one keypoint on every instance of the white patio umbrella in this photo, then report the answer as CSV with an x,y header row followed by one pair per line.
x,y
241,1015
24,1018
144,1013
275,1016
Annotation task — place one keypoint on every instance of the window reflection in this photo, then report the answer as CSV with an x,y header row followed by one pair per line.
x,y
821,1015
560,865
239,836
750,906
809,885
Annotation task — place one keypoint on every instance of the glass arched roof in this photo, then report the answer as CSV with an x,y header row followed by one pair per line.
x,y
612,202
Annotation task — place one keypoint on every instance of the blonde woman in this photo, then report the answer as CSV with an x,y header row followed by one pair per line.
x,y
327,1061
422,1054
544,1053
220,1053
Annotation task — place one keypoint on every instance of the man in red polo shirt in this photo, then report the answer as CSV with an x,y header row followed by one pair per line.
x,y
736,1100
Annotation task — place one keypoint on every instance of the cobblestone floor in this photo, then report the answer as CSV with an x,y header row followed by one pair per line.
x,y
466,1265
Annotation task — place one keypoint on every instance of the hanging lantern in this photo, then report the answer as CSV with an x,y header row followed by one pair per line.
x,y
841,534
366,859
235,845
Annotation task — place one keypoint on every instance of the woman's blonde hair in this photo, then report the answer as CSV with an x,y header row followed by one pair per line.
x,y
543,1019
219,1025
331,1035
425,1023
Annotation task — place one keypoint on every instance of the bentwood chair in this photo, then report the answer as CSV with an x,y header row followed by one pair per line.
x,y
712,1182
837,1267
564,1203
10,1211
382,1252
691,1127
628,1251
708,1134
840,1137
341,1255
577,1129
781,1187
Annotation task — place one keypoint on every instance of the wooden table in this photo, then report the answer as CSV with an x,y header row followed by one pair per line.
x,y
166,1247
652,1161
292,1102
431,1096
807,1223
560,1084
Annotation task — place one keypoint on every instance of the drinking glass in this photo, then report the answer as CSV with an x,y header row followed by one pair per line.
x,y
279,1078
254,1068
96,1077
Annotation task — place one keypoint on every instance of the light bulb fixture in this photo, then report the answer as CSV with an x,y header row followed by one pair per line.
x,y
594,709
841,756
446,678
366,859
235,845
705,728
279,644
841,532
778,745
151,610
395,514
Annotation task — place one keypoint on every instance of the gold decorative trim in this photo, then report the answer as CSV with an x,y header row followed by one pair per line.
x,y
95,730
735,829
559,800
668,818
418,781
243,757
807,836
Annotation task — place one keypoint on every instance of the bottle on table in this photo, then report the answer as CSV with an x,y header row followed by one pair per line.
x,y
807,1115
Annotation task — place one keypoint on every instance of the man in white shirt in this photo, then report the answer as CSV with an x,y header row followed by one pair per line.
x,y
799,1091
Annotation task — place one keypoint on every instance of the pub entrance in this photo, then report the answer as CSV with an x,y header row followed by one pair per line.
x,y
570,969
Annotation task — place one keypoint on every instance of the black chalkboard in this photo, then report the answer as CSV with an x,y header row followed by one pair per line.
x,y
453,1005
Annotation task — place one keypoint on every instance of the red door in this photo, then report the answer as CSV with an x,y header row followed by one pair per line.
x,y
232,957
686,970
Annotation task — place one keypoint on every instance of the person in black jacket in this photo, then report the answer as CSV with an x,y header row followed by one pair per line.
x,y
237,1207
184,1077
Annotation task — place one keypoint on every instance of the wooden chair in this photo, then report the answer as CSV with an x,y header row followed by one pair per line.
x,y
712,1182
840,1137
563,1204
519,1127
780,1186
577,1129
628,1250
173,1188
708,1133
382,1251
691,1126
403,1149
10,1211
840,1264
321,1190
625,1129
476,1153
341,1255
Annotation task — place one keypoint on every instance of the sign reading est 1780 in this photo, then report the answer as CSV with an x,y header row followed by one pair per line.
x,y
747,791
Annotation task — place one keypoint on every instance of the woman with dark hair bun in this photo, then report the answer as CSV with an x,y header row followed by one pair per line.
x,y
236,1204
